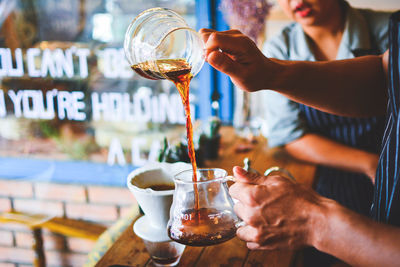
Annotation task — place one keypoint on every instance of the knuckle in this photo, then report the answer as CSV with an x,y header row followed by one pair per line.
x,y
259,195
277,181
246,41
254,176
213,37
247,199
252,219
258,238
274,178
259,191
252,198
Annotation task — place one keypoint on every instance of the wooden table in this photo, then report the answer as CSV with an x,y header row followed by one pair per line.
x,y
129,249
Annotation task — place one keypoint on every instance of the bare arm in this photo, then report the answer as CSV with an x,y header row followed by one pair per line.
x,y
317,149
280,214
354,238
353,87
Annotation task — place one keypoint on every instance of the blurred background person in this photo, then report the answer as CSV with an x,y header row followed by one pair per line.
x,y
345,149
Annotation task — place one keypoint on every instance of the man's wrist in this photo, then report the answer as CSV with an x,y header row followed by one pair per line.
x,y
282,76
320,221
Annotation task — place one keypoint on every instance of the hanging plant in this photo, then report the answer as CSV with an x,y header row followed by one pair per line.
x,y
248,16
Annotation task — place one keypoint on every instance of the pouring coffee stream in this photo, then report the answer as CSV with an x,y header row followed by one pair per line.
x,y
179,72
160,45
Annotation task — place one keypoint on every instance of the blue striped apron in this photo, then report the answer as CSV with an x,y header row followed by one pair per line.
x,y
353,190
386,202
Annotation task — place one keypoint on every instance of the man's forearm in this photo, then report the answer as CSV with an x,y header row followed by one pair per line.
x,y
354,238
350,88
317,149
353,87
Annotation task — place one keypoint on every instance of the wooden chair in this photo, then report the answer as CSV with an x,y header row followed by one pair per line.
x,y
63,226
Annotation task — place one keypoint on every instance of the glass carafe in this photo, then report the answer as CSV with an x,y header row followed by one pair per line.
x,y
159,44
210,221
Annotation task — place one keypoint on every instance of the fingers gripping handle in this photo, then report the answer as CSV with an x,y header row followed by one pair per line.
x,y
269,171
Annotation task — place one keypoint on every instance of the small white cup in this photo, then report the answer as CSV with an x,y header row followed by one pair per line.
x,y
167,253
162,250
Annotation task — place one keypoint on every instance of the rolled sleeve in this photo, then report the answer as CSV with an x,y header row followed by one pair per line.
x,y
284,123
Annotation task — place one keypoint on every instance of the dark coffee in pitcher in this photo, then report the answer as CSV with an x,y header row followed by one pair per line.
x,y
202,227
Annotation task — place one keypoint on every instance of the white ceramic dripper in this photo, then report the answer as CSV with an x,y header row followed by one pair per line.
x,y
155,204
152,227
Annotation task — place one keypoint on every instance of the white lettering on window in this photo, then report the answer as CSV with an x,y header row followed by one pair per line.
x,y
78,105
142,104
16,99
3,110
99,107
83,53
48,64
30,104
137,143
31,54
7,68
116,153
64,62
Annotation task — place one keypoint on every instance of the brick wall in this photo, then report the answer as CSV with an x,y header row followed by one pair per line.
x,y
98,204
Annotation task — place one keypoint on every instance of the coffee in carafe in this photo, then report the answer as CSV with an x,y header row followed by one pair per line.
x,y
214,222
203,227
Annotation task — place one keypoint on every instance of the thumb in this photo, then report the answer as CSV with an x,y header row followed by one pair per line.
x,y
244,176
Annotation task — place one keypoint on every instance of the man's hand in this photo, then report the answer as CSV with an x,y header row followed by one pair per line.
x,y
238,56
278,213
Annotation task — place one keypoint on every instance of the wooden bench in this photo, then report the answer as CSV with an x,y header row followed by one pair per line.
x,y
63,226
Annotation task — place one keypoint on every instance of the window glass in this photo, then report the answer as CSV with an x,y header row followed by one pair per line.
x,y
69,102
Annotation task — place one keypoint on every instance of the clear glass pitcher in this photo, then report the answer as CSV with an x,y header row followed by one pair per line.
x,y
159,44
214,221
